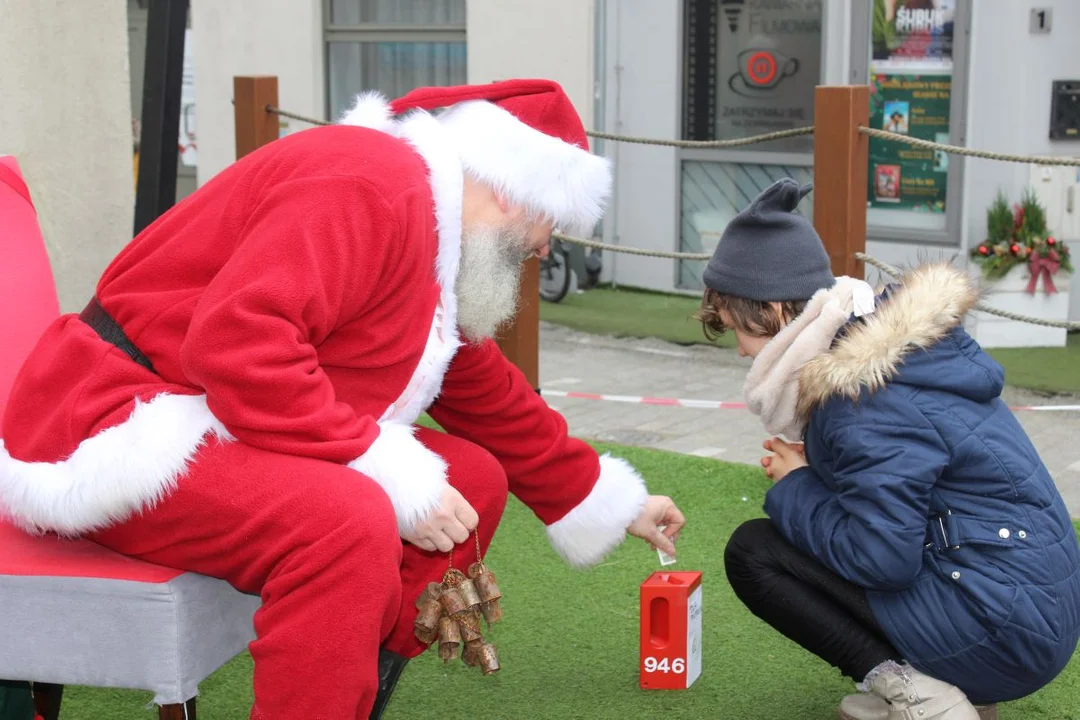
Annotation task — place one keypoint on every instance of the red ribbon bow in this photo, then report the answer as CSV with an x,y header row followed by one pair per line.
x,y
1046,267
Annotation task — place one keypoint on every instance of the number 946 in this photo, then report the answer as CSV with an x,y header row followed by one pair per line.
x,y
677,666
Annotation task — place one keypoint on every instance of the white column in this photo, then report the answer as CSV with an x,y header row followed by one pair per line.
x,y
528,39
253,37
65,114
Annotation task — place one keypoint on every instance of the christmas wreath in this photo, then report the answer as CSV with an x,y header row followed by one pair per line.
x,y
1020,237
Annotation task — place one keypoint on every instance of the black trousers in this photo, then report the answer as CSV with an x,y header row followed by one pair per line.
x,y
804,600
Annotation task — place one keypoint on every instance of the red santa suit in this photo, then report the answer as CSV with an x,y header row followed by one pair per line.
x,y
298,312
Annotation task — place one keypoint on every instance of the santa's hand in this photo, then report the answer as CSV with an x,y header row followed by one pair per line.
x,y
448,525
658,510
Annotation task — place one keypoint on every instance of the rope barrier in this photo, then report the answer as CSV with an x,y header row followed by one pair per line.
x,y
630,250
796,132
896,272
781,135
739,142
285,113
868,259
957,150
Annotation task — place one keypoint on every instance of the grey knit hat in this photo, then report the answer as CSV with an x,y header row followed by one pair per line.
x,y
770,253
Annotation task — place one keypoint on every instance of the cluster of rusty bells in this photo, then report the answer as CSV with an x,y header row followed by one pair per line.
x,y
451,613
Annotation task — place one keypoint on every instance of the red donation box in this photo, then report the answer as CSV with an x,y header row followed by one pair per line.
x,y
670,630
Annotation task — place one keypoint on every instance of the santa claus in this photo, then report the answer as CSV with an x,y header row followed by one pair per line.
x,y
239,398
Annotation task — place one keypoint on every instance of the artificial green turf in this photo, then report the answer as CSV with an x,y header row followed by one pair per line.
x,y
569,640
1053,370
630,313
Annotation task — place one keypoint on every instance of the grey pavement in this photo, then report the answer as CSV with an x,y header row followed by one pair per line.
x,y
576,362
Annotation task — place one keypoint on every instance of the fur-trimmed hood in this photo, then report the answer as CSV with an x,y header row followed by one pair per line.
x,y
926,305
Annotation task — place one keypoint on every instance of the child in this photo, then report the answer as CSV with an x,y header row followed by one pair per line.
x,y
916,541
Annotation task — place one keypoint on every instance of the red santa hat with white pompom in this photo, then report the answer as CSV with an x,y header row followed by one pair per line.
x,y
521,137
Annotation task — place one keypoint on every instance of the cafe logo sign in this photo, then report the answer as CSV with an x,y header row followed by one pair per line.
x,y
761,70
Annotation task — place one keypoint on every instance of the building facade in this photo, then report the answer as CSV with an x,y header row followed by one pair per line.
x,y
968,72
978,73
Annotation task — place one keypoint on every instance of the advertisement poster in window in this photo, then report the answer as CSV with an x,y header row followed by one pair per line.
x,y
910,93
767,65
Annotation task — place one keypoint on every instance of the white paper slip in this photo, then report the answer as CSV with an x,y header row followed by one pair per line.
x,y
665,559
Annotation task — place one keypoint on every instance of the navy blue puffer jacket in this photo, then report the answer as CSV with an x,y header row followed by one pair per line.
x,y
923,488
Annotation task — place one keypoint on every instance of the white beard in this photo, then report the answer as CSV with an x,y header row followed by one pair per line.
x,y
488,278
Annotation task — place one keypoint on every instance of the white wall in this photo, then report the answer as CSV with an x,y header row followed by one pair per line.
x,y
1009,101
253,37
65,114
643,97
528,39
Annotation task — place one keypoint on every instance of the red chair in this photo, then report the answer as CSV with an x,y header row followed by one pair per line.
x,y
73,612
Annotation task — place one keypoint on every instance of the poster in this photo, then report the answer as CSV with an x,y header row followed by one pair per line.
x,y
903,177
910,94
767,65
917,31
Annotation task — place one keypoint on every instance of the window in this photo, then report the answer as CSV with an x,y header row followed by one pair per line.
x,y
912,56
750,67
392,46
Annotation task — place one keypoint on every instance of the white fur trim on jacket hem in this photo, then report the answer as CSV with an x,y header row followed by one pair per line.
x,y
598,525
412,476
111,475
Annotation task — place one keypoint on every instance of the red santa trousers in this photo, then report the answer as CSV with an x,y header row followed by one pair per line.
x,y
319,543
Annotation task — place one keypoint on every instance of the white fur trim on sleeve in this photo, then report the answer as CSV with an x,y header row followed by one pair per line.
x,y
598,525
413,476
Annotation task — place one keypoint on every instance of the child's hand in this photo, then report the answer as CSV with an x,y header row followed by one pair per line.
x,y
787,457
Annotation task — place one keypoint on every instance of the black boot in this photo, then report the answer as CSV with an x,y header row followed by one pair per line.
x,y
390,668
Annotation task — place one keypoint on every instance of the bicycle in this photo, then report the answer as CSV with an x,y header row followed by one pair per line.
x,y
563,262
555,273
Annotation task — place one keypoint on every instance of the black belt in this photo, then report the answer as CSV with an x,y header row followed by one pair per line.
x,y
110,331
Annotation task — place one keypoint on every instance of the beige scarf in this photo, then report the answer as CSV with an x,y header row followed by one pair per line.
x,y
772,385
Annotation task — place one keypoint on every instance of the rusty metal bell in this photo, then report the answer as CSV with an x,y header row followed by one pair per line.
x,y
489,592
484,580
449,638
427,621
469,625
470,594
431,592
470,653
489,659
452,601
492,611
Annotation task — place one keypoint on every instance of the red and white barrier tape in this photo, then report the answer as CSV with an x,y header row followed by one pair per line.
x,y
725,405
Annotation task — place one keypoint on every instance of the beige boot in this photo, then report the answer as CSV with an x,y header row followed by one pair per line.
x,y
864,706
914,696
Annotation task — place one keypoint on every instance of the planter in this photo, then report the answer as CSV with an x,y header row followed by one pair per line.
x,y
1010,293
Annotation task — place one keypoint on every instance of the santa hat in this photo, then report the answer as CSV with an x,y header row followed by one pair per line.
x,y
524,139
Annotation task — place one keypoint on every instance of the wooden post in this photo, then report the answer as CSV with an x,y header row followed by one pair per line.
x,y
254,126
520,341
840,174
